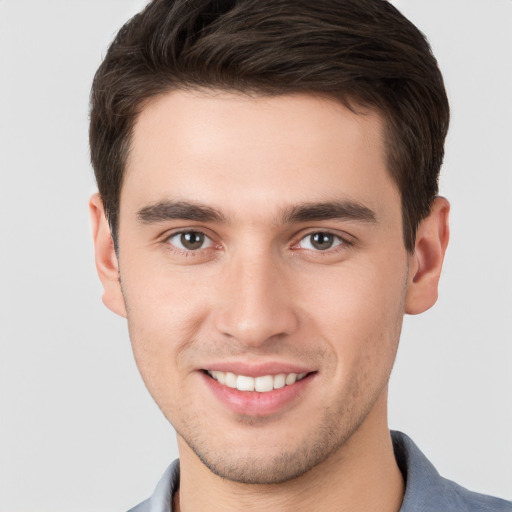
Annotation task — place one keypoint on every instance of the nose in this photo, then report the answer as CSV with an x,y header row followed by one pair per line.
x,y
255,303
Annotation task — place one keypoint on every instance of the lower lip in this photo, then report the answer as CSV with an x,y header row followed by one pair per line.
x,y
253,403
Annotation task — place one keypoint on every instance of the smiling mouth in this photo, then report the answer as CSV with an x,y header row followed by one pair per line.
x,y
262,384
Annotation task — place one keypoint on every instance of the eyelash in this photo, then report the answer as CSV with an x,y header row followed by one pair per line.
x,y
344,243
187,252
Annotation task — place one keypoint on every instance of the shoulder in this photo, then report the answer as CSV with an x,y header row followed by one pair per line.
x,y
142,507
161,499
427,491
458,498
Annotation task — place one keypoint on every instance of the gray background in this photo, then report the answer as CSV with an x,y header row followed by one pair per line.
x,y
78,431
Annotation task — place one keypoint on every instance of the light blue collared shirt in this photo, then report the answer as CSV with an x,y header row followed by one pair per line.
x,y
425,489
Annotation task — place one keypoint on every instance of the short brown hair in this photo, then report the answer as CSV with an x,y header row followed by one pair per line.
x,y
361,52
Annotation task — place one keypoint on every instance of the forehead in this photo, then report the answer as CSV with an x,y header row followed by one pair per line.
x,y
220,147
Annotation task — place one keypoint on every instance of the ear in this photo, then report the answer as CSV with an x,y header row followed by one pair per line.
x,y
427,260
106,258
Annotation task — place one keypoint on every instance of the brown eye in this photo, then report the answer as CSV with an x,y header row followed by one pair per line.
x,y
190,240
320,241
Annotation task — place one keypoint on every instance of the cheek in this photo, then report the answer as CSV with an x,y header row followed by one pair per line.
x,y
162,300
165,312
359,312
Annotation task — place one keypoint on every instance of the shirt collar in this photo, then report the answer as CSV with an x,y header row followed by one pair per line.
x,y
161,500
422,481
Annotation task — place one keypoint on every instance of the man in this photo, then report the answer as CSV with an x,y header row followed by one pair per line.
x,y
267,213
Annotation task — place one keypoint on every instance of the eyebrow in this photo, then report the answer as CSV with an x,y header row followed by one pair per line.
x,y
331,210
185,210
304,212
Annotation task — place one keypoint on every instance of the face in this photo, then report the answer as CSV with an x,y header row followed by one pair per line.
x,y
263,276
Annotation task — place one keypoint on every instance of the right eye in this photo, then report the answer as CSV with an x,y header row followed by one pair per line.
x,y
190,241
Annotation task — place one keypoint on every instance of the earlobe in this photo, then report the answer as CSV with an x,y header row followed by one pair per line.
x,y
106,258
426,262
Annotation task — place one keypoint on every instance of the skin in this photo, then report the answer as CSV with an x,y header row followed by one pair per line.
x,y
258,291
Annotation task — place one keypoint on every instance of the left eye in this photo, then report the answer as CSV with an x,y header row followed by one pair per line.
x,y
320,241
190,240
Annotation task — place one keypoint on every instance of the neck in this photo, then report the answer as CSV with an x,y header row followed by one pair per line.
x,y
362,475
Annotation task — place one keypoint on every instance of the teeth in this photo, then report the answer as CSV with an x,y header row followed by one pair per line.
x,y
261,384
230,379
244,383
291,378
280,381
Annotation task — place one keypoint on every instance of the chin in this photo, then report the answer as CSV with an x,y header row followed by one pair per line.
x,y
274,469
270,465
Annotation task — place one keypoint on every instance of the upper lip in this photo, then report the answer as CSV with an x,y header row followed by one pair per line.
x,y
256,369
